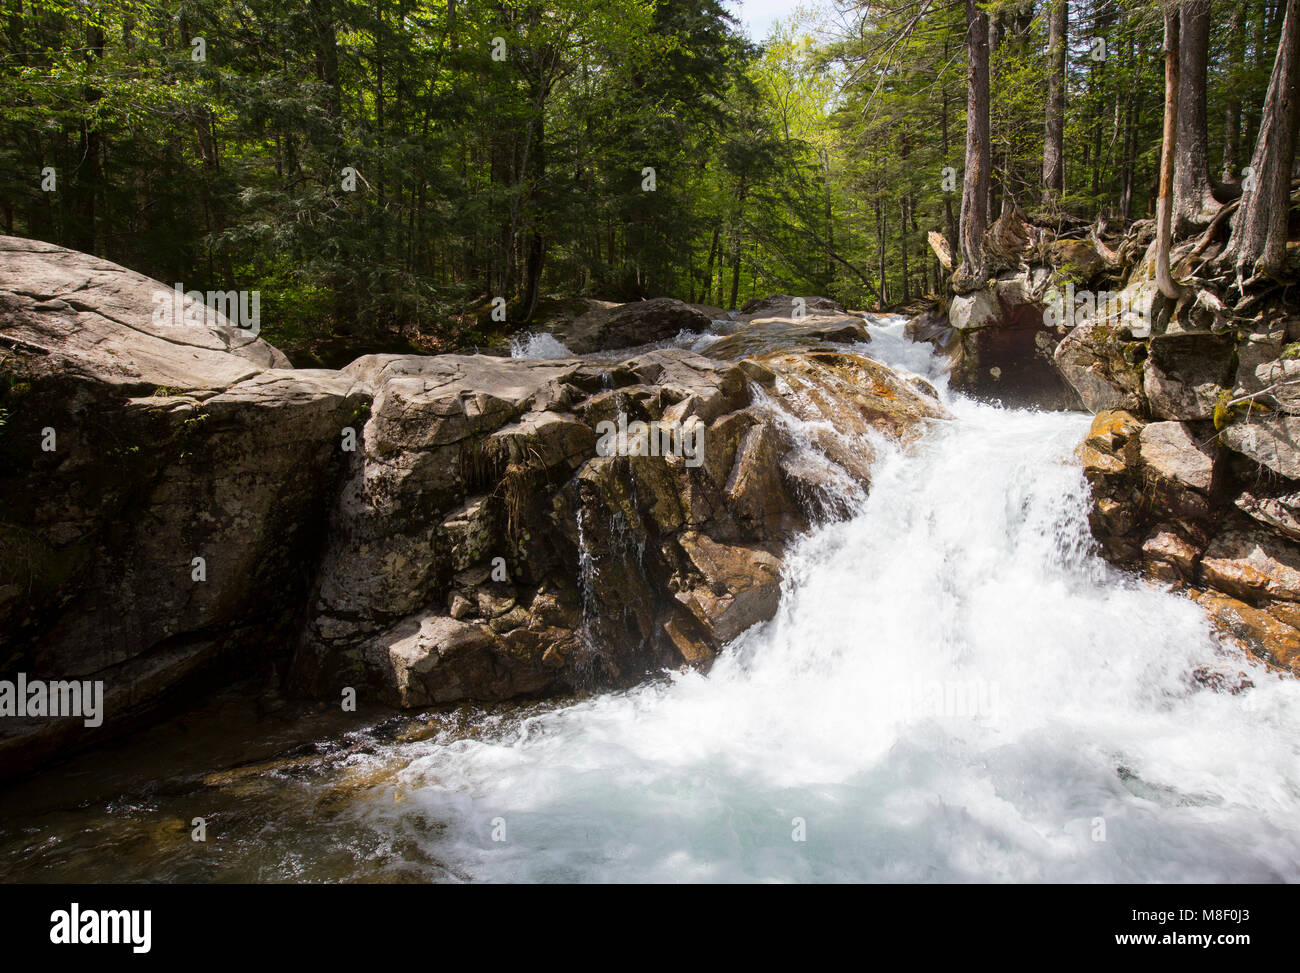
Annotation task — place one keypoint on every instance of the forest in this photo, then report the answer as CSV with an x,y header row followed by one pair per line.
x,y
382,171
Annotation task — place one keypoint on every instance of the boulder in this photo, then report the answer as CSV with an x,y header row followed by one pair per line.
x,y
1268,639
1097,361
1078,259
1004,351
1271,440
1185,375
159,479
932,327
1253,565
1281,514
1254,351
627,325
1000,303
786,305
1171,452
766,336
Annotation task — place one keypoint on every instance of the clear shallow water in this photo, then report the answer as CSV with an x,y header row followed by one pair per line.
x,y
954,689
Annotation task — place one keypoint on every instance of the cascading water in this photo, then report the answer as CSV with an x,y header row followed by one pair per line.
x,y
955,688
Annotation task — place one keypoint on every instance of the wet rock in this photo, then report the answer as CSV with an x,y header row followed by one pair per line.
x,y
462,463
1263,636
932,327
1110,460
1169,557
1252,564
1113,429
421,530
738,586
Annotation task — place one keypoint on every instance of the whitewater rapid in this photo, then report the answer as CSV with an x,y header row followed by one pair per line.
x,y
954,689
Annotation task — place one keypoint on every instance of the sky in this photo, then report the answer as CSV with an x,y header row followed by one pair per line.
x,y
757,16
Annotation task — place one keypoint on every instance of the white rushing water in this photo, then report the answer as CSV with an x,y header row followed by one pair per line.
x,y
954,689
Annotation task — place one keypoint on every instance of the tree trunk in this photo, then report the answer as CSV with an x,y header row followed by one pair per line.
x,y
1232,110
1259,230
950,217
880,250
1194,204
1054,142
824,157
735,266
975,187
1168,286
1259,49
708,273
902,245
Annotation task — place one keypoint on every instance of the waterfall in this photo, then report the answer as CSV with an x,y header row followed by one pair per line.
x,y
955,688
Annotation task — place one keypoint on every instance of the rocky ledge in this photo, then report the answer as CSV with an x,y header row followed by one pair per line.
x,y
181,506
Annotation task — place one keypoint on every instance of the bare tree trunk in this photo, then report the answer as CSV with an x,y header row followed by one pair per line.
x,y
825,160
1259,230
708,273
1232,110
1054,142
975,187
880,250
951,218
735,266
1168,286
1194,203
902,245
1259,47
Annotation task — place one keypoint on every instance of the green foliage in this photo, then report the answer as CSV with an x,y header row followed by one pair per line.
x,y
812,164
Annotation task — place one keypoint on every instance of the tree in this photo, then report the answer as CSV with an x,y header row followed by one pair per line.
x,y
1194,203
1054,140
975,186
1168,286
1257,246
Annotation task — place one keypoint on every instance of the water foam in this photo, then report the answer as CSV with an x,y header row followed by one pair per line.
x,y
954,689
